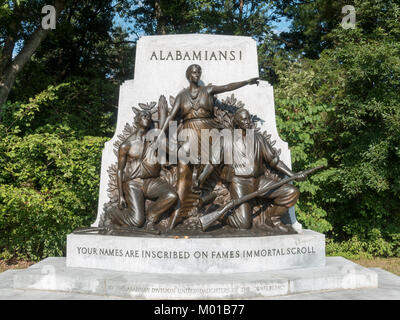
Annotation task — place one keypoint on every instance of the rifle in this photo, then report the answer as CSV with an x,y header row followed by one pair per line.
x,y
208,219
117,229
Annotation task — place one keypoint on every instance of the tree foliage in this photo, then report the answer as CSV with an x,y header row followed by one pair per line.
x,y
234,17
50,161
60,112
20,32
359,80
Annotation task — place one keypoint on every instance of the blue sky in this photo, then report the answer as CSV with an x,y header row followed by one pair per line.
x,y
282,26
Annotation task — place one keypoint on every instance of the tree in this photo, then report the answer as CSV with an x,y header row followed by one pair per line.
x,y
235,17
312,21
59,113
19,24
162,17
352,89
85,44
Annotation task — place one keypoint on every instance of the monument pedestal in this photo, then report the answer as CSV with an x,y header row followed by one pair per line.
x,y
216,255
52,274
195,268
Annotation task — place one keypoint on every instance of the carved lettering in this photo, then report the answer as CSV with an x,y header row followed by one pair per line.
x,y
223,254
222,54
213,55
153,55
197,56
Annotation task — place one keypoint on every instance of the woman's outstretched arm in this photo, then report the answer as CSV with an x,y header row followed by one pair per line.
x,y
232,86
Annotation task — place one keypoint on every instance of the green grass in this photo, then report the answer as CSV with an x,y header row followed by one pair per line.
x,y
14,264
388,264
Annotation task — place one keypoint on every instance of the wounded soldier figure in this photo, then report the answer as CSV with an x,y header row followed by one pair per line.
x,y
138,179
248,173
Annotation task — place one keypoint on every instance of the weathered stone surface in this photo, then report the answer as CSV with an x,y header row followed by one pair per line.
x,y
337,274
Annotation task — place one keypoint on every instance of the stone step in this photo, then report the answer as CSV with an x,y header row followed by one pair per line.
x,y
53,275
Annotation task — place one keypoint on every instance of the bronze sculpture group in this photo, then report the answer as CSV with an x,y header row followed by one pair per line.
x,y
143,191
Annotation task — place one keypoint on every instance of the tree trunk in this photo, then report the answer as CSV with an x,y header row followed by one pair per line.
x,y
8,49
241,16
9,74
159,18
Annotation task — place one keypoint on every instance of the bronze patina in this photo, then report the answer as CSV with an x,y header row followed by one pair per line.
x,y
195,106
189,198
246,177
138,179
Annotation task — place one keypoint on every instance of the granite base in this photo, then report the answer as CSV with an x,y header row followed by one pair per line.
x,y
52,274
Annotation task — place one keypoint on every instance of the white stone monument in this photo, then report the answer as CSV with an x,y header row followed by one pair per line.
x,y
162,267
160,66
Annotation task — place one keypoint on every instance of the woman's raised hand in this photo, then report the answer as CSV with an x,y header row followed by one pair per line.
x,y
253,81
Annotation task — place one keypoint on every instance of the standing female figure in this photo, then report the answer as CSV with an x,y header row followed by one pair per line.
x,y
195,107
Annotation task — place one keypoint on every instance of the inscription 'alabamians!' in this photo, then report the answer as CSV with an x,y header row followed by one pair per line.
x,y
197,55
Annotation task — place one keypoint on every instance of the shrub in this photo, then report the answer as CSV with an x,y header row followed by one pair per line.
x,y
49,169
